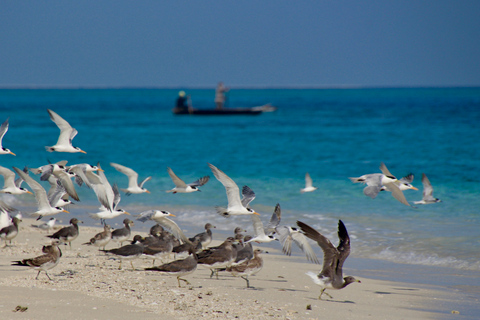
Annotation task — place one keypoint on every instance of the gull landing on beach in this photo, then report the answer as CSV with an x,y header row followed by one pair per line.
x,y
236,206
67,133
331,276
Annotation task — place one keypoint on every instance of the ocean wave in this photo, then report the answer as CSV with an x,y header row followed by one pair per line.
x,y
424,259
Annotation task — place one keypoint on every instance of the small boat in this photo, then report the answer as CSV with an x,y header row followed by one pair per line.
x,y
220,112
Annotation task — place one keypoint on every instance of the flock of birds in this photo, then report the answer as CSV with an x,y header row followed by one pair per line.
x,y
235,255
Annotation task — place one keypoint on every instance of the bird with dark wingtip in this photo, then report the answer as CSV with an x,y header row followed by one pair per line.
x,y
331,276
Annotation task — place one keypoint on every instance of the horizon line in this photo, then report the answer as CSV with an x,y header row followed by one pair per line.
x,y
237,87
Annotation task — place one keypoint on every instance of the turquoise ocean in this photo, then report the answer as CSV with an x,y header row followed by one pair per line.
x,y
331,133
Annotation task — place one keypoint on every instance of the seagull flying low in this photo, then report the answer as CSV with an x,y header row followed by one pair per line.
x,y
235,205
3,130
428,197
331,276
67,133
308,184
182,187
133,186
59,172
44,207
265,235
47,226
377,182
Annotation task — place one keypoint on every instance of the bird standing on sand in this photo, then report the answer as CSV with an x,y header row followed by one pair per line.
x,y
47,261
3,130
133,185
67,234
67,133
122,234
204,237
308,184
428,197
10,232
331,276
248,268
101,239
182,187
179,268
220,257
128,252
235,204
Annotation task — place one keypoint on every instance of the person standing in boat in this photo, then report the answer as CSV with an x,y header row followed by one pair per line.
x,y
220,95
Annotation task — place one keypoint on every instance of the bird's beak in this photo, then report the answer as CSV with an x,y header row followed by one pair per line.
x,y
414,188
29,192
65,211
256,213
172,215
127,213
83,151
12,153
147,191
359,281
99,169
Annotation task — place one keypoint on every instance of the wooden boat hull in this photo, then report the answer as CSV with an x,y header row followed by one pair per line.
x,y
221,112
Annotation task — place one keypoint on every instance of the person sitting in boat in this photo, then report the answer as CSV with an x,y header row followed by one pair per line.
x,y
181,104
220,95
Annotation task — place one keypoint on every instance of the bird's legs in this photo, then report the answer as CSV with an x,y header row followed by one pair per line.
x,y
246,279
323,292
186,281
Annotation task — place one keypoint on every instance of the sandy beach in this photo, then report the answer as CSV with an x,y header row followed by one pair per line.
x,y
88,285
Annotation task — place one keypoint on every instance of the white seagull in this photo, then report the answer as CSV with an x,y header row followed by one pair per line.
x,y
133,186
235,205
262,234
10,185
47,226
60,172
67,133
428,197
308,184
3,130
377,182
182,187
44,207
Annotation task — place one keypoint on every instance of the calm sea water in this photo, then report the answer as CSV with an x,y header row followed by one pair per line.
x,y
331,133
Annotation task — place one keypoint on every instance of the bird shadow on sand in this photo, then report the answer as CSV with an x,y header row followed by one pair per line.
x,y
332,300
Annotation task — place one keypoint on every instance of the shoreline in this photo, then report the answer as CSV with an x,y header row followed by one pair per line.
x,y
281,290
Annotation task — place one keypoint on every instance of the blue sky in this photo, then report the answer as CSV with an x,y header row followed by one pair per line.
x,y
243,43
